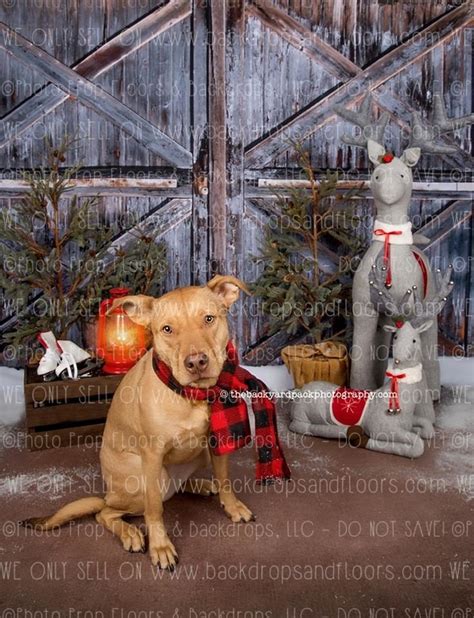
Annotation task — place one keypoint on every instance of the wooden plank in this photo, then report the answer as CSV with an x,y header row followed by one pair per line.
x,y
361,173
217,137
183,191
235,78
303,39
116,49
468,42
63,390
72,413
315,115
98,183
428,190
199,77
94,97
272,183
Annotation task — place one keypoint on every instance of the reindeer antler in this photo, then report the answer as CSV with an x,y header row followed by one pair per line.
x,y
441,120
412,306
371,129
383,300
429,308
426,135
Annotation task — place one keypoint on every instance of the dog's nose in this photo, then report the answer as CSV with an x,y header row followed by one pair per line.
x,y
195,363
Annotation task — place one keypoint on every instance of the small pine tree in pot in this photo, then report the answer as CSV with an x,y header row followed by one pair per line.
x,y
56,263
299,296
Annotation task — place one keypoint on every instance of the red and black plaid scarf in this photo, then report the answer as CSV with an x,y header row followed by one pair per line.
x,y
229,421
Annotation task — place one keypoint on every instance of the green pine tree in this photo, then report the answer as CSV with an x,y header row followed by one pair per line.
x,y
296,295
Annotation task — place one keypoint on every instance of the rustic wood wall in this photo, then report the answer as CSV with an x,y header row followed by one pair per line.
x,y
209,93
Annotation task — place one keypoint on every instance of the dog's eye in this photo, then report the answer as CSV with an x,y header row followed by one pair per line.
x,y
209,319
402,176
414,340
167,329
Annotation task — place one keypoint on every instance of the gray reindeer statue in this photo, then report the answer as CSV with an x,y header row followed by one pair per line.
x,y
396,417
393,243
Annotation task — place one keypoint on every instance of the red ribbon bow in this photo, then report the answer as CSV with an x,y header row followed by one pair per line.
x,y
394,399
386,251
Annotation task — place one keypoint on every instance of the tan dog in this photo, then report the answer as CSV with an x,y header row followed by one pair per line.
x,y
154,439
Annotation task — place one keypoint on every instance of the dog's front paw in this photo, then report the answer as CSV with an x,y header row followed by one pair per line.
x,y
163,554
237,511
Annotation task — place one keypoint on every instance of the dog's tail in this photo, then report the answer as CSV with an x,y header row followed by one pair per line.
x,y
73,510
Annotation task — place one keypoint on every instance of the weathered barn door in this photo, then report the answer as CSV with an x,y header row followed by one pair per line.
x,y
128,80
184,110
287,65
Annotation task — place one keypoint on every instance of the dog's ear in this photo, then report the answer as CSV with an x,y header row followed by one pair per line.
x,y
138,308
227,287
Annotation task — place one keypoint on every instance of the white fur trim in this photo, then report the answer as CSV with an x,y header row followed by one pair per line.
x,y
405,238
412,374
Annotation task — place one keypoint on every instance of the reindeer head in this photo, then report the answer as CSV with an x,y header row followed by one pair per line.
x,y
391,181
406,342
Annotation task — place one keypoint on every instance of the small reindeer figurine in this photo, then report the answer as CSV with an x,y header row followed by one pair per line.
x,y
404,265
394,418
419,312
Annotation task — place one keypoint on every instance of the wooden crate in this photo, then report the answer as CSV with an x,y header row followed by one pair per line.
x,y
66,412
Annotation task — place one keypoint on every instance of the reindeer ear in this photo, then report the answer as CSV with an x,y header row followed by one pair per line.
x,y
375,151
388,328
227,287
425,326
138,308
410,156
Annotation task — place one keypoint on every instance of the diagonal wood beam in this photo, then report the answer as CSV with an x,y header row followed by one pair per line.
x,y
445,221
317,113
99,61
303,39
94,97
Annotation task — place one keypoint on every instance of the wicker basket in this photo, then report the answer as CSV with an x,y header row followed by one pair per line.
x,y
328,361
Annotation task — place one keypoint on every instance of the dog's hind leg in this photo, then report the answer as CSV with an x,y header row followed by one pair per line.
x,y
132,538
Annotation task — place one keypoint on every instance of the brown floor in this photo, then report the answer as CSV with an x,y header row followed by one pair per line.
x,y
356,534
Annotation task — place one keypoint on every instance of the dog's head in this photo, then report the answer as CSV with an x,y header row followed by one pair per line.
x,y
189,327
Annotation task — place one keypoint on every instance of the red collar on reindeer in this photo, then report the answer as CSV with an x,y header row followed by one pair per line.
x,y
391,234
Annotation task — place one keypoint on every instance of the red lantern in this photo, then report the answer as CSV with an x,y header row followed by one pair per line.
x,y
120,342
